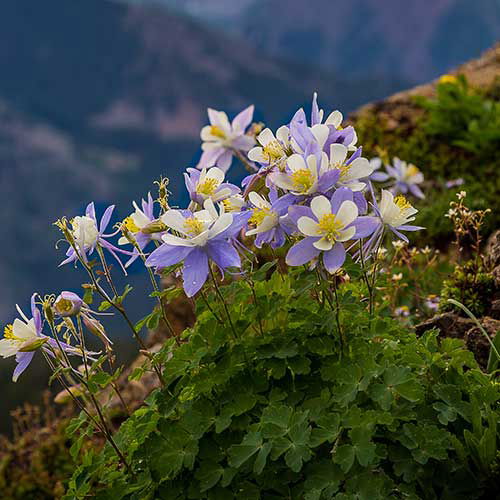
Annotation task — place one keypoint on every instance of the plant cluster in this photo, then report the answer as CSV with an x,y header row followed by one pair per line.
x,y
293,383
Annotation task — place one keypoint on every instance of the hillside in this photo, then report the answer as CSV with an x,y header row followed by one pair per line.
x,y
410,40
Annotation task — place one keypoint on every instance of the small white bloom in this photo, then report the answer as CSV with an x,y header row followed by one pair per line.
x,y
85,231
272,150
263,217
397,211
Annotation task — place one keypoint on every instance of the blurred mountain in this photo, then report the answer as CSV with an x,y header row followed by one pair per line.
x,y
413,40
99,98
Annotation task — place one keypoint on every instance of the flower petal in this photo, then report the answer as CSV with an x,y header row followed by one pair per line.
x,y
302,252
334,259
195,271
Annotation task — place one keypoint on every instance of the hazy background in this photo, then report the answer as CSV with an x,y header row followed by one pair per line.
x,y
100,97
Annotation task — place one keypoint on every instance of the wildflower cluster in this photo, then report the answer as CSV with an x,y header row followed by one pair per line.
x,y
309,192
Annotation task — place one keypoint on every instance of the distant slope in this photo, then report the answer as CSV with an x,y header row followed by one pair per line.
x,y
413,40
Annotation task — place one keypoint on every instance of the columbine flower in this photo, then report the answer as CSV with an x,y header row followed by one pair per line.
x,y
268,218
87,234
272,150
139,224
328,227
208,184
68,304
393,213
304,177
376,164
204,235
222,138
350,170
432,302
22,339
235,203
407,177
402,311
24,336
454,183
335,133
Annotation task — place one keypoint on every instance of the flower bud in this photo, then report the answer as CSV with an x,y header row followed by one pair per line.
x,y
64,397
33,345
95,327
156,226
68,304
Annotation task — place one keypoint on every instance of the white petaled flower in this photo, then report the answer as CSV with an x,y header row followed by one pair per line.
x,y
195,229
350,172
209,183
395,211
263,218
235,203
329,227
85,231
273,149
302,178
18,336
135,223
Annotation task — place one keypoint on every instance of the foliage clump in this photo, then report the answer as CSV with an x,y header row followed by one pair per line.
x,y
293,407
453,136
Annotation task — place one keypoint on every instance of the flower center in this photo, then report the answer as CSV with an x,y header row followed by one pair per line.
x,y
193,226
84,228
258,215
131,225
207,187
63,306
412,170
402,203
302,180
329,227
8,333
273,151
217,132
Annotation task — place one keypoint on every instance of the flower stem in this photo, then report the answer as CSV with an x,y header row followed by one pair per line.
x,y
217,290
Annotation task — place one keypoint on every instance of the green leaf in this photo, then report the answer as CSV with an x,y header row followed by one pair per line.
x,y
240,453
344,457
209,475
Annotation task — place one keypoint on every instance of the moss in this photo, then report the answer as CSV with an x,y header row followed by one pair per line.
x,y
408,134
469,285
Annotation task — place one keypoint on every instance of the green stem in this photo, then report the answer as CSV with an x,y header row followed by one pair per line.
x,y
221,298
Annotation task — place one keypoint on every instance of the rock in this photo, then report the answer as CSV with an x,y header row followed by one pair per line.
x,y
449,325
478,343
496,276
492,251
495,309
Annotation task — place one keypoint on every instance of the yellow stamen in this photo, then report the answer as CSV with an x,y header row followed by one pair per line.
x,y
131,225
329,227
412,170
193,226
402,202
273,151
207,187
63,306
8,333
258,215
217,132
302,180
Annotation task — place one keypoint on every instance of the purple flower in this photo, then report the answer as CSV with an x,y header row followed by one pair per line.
x,y
392,213
454,183
208,184
407,177
269,218
87,234
68,304
222,138
329,224
305,176
376,176
204,235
